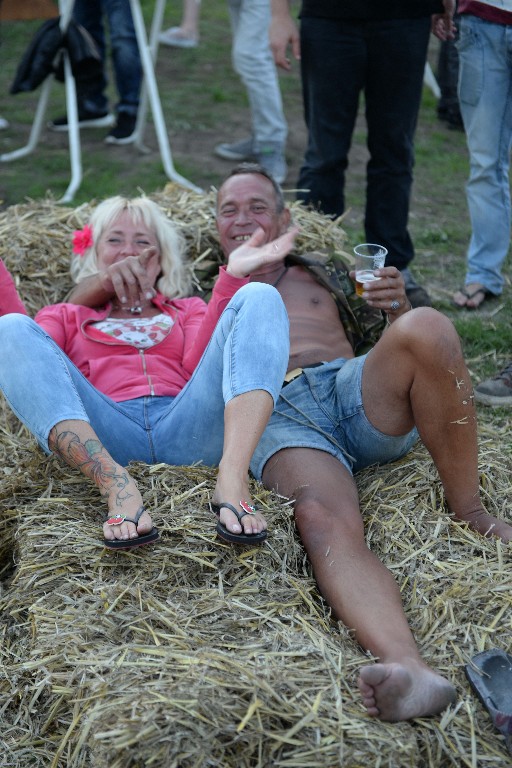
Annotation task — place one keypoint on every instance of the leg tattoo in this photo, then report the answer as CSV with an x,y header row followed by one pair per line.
x,y
93,461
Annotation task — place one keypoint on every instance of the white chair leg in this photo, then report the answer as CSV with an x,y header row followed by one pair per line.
x,y
37,124
65,11
430,81
154,97
75,155
156,26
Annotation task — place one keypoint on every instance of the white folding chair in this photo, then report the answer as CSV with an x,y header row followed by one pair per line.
x,y
65,11
430,81
149,91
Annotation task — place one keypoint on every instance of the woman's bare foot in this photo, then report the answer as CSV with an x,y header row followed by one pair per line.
x,y
397,691
76,443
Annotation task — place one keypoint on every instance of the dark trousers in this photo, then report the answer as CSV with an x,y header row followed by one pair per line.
x,y
124,49
448,76
385,61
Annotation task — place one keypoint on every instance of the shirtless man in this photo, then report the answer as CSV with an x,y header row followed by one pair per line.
x,y
415,376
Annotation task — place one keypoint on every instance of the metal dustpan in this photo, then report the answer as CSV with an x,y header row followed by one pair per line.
x,y
490,676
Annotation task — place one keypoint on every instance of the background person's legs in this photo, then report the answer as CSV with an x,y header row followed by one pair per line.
x,y
485,83
127,69
333,65
397,52
187,34
253,61
92,99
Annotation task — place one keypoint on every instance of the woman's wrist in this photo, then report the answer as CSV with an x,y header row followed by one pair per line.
x,y
106,283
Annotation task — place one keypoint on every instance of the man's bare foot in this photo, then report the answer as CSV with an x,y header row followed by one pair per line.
x,y
397,691
487,525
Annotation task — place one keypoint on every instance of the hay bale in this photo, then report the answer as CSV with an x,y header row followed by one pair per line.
x,y
192,653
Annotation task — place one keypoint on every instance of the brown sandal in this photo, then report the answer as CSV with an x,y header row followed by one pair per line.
x,y
469,296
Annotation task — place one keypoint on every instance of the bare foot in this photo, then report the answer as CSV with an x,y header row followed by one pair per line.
x,y
403,691
471,296
487,525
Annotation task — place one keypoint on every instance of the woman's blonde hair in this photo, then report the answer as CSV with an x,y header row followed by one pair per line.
x,y
174,280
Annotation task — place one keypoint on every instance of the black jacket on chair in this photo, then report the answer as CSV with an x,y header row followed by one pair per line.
x,y
44,56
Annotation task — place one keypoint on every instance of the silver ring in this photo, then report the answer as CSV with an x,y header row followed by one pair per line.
x,y
394,305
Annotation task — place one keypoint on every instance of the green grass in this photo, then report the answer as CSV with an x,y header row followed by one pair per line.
x,y
198,90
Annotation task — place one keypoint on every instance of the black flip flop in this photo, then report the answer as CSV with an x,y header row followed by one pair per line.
x,y
487,295
235,538
490,676
146,538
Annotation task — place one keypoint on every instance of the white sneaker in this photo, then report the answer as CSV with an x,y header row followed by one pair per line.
x,y
174,36
3,124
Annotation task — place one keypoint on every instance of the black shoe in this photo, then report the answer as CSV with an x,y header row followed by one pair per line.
x,y
123,132
451,117
454,121
85,120
417,295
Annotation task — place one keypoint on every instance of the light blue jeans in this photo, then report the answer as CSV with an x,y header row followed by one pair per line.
x,y
485,95
248,350
253,61
323,409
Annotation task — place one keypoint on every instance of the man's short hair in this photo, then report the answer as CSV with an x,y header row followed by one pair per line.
x,y
255,168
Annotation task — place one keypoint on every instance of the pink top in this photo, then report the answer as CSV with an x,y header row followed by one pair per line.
x,y
497,11
122,371
9,298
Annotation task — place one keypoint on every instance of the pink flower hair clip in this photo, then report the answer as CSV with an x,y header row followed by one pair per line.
x,y
82,240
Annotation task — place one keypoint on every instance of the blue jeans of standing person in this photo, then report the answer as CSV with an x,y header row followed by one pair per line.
x,y
248,350
385,60
125,54
485,97
253,61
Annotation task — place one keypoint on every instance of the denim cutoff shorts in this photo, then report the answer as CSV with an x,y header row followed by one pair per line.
x,y
323,409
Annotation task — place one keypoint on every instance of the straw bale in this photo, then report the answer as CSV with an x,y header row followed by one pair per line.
x,y
193,653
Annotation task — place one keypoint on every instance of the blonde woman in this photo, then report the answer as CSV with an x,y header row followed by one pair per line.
x,y
146,373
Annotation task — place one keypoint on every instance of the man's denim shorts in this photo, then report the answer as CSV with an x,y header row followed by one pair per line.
x,y
323,409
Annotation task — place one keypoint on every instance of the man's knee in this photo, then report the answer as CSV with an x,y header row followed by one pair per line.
x,y
425,332
322,520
